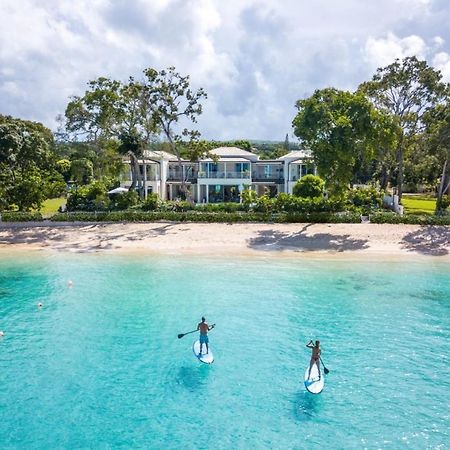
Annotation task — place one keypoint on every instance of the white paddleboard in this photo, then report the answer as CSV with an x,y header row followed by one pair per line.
x,y
206,358
312,383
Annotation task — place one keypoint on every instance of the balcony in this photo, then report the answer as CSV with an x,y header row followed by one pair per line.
x,y
176,175
269,177
225,175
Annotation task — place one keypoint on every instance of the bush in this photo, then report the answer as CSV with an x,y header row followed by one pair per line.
x,y
248,197
92,197
10,216
291,204
264,204
124,200
220,207
200,216
151,203
410,219
177,206
366,200
309,186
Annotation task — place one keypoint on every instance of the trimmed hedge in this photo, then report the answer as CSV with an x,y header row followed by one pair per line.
x,y
409,219
15,216
212,214
200,216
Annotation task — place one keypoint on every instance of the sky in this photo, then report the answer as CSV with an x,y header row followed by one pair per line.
x,y
254,58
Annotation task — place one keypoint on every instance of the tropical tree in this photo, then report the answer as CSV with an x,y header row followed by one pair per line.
x,y
109,112
172,102
437,140
26,162
339,129
407,89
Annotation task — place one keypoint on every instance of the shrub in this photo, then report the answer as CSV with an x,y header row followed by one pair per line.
x,y
410,219
200,216
151,203
220,207
309,186
124,200
248,197
290,203
264,204
177,206
92,197
13,216
366,200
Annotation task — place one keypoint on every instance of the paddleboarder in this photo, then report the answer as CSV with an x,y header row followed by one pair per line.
x,y
203,327
315,356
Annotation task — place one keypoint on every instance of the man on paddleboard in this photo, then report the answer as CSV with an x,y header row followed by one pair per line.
x,y
315,356
203,327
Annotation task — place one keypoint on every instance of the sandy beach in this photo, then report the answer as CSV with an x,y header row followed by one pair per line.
x,y
215,239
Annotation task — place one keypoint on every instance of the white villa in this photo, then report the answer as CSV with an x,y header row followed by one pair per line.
x,y
220,179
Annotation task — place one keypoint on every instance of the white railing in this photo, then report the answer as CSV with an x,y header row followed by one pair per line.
x,y
227,174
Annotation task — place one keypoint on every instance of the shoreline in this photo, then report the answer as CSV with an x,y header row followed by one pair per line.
x,y
348,241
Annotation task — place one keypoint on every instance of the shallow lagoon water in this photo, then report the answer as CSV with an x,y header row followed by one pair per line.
x,y
100,365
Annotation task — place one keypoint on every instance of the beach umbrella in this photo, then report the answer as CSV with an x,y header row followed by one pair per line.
x,y
118,190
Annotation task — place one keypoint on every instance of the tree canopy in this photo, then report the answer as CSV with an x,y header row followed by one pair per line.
x,y
339,128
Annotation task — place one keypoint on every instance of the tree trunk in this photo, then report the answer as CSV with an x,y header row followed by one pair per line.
x,y
136,178
400,171
444,186
184,189
383,177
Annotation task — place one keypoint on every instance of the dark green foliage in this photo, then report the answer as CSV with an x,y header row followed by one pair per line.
x,y
290,203
151,203
310,186
366,199
177,206
25,162
406,89
196,216
92,197
15,216
124,201
410,219
220,207
339,128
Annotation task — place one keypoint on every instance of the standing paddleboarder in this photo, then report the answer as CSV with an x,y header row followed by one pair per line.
x,y
315,356
203,327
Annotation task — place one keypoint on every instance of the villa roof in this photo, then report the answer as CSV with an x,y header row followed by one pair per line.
x,y
158,154
228,152
296,155
230,159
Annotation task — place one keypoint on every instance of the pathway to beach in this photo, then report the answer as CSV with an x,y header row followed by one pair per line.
x,y
215,239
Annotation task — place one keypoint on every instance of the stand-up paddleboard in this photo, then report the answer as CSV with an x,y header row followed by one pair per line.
x,y
312,383
206,358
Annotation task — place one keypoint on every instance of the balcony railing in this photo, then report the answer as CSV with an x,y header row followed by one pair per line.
x,y
267,177
178,176
240,175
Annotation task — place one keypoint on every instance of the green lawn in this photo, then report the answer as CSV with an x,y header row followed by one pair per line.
x,y
418,205
50,206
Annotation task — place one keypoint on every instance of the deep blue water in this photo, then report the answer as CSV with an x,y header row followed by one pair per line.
x,y
100,365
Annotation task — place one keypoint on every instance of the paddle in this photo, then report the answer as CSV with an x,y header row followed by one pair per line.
x,y
184,334
324,368
193,331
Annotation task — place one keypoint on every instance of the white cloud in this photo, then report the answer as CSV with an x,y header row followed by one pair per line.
x,y
383,51
442,62
254,58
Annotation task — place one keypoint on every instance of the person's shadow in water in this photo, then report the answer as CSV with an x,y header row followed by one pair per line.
x,y
193,378
306,406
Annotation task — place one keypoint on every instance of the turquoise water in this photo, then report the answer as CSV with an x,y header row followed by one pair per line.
x,y
100,365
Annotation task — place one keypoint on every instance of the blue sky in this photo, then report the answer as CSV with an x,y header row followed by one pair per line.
x,y
254,58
